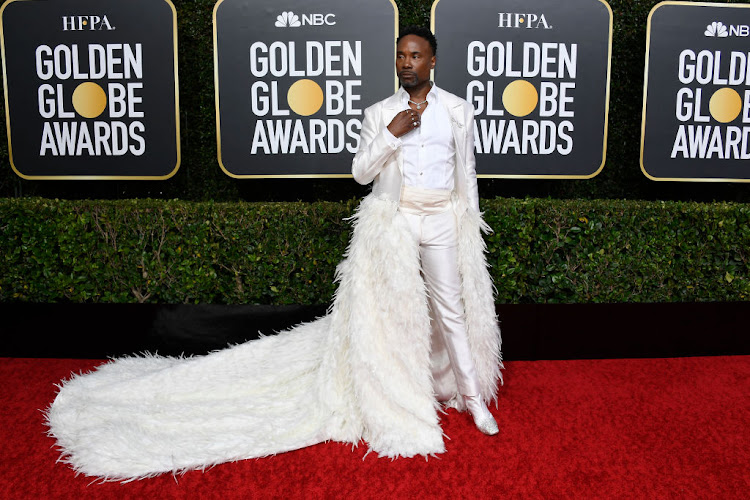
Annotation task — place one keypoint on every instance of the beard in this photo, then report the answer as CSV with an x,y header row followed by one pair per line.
x,y
409,81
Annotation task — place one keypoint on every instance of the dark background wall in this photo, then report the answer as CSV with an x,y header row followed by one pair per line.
x,y
530,331
200,177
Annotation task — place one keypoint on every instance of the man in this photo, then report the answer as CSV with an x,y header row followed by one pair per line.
x,y
412,322
417,149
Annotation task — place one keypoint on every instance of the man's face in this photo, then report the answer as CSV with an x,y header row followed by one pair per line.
x,y
414,60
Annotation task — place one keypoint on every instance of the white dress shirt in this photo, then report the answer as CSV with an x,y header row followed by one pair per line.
x,y
428,151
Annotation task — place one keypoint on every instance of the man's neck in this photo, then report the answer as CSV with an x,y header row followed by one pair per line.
x,y
419,93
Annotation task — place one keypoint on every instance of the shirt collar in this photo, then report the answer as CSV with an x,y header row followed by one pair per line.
x,y
432,95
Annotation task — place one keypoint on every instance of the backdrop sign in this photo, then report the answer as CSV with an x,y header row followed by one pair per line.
x,y
91,88
292,80
537,73
696,98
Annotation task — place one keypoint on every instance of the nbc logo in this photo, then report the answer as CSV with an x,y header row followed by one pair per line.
x,y
719,30
716,29
289,19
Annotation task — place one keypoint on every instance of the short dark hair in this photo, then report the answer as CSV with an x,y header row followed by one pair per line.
x,y
420,32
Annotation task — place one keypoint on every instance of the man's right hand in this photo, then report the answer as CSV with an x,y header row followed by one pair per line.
x,y
404,122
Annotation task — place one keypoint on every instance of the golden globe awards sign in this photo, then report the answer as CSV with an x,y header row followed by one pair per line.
x,y
537,73
91,88
696,103
293,78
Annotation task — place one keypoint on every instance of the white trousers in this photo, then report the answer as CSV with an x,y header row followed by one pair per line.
x,y
437,236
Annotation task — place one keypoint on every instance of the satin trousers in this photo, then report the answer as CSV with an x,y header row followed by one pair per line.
x,y
437,237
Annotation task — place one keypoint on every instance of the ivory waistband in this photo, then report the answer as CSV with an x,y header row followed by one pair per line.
x,y
420,201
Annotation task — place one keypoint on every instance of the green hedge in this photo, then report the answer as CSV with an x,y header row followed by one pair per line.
x,y
285,253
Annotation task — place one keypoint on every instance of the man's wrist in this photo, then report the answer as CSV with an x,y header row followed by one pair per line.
x,y
392,140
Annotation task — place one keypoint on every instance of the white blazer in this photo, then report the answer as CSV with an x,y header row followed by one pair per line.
x,y
377,162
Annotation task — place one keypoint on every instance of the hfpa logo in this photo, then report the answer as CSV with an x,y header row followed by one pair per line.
x,y
515,20
291,20
80,23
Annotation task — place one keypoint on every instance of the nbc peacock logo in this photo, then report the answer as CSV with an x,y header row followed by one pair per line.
x,y
716,29
288,20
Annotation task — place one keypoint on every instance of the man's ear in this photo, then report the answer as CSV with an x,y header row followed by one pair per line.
x,y
432,63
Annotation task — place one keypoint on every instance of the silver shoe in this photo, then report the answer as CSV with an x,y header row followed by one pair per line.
x,y
482,417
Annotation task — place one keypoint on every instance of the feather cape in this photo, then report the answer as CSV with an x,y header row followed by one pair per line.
x,y
368,370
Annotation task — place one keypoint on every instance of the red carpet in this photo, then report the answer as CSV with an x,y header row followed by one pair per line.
x,y
637,428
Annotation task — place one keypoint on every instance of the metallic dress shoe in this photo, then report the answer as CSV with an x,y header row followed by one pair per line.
x,y
481,415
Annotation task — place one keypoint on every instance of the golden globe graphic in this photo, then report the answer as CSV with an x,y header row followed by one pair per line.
x,y
725,105
293,80
91,93
305,97
540,105
697,61
520,98
89,100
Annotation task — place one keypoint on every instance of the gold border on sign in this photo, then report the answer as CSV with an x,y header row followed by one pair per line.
x,y
97,177
645,94
432,28
606,111
5,86
218,119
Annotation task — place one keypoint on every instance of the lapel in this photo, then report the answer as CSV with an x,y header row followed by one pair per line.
x,y
458,129
391,106
453,106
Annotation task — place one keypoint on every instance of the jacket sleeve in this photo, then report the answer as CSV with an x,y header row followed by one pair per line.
x,y
374,149
471,173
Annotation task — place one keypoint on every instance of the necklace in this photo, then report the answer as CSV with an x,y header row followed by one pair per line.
x,y
418,104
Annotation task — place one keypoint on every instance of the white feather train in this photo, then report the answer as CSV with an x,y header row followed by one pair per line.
x,y
362,372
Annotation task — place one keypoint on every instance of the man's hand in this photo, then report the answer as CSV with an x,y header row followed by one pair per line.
x,y
403,122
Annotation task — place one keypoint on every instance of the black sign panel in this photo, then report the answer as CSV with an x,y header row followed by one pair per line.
x,y
537,73
696,99
91,88
292,80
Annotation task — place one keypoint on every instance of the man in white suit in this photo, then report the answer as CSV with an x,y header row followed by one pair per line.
x,y
394,340
417,148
